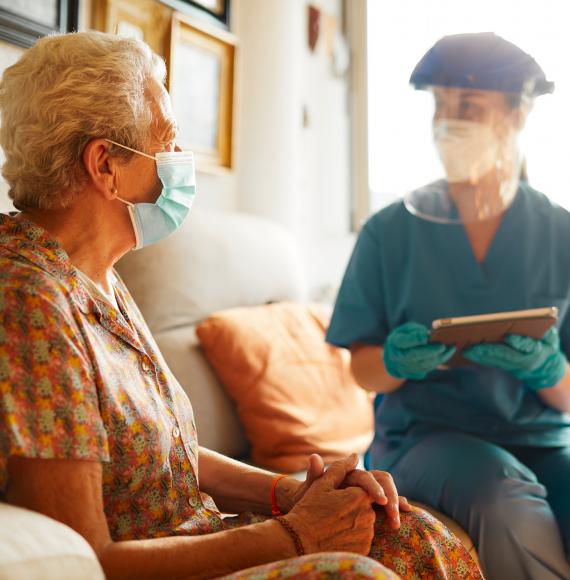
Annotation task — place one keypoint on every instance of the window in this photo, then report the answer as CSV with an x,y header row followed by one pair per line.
x,y
401,155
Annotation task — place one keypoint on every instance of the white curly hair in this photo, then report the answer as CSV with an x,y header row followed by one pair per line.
x,y
63,92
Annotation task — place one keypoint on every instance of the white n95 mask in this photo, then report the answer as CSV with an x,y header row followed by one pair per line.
x,y
153,222
468,150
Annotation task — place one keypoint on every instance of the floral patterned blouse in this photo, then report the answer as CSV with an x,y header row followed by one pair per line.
x,y
80,379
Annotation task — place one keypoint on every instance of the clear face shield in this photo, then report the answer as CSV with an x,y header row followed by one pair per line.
x,y
476,135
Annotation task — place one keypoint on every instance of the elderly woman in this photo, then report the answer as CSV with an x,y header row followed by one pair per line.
x,y
94,429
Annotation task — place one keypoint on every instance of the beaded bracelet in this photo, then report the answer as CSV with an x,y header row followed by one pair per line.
x,y
294,536
275,511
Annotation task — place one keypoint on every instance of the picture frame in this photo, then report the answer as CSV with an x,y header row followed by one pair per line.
x,y
141,19
192,48
215,12
204,109
22,22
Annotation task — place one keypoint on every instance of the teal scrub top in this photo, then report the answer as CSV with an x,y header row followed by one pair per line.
x,y
404,269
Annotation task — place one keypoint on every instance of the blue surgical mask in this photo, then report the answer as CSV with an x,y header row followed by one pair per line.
x,y
153,222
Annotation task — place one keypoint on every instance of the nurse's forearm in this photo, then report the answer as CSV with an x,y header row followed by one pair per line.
x,y
558,396
368,368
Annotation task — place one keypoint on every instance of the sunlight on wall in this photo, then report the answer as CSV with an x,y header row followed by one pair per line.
x,y
401,151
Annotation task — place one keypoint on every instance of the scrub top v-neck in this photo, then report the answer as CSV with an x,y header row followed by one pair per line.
x,y
404,268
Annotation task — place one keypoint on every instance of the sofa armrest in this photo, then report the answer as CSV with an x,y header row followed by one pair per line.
x,y
33,546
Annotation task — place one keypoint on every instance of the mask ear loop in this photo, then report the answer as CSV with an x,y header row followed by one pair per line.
x,y
130,207
114,191
131,149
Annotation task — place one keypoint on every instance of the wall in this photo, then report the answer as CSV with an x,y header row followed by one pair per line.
x,y
292,135
291,148
293,143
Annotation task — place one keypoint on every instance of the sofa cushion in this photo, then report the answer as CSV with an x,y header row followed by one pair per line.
x,y
294,393
35,547
214,261
216,418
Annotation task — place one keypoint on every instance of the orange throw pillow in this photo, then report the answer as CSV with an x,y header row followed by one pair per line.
x,y
294,393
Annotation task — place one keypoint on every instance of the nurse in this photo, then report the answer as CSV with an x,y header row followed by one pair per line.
x,y
486,443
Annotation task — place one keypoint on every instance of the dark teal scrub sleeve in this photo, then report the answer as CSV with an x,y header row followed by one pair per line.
x,y
359,312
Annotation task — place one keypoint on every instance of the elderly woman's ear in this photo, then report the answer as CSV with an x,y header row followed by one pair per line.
x,y
101,168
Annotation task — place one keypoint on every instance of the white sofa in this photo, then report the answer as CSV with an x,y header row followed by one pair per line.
x,y
34,547
215,261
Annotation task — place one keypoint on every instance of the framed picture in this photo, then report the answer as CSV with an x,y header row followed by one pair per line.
x,y
146,20
201,84
214,11
22,22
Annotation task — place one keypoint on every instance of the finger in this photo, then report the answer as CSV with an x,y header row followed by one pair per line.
x,y
425,364
433,354
392,506
316,468
366,481
472,353
475,354
497,355
481,349
337,472
404,504
446,356
508,358
410,335
552,338
421,353
531,353
524,344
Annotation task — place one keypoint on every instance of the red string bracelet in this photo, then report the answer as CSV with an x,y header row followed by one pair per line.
x,y
274,507
294,536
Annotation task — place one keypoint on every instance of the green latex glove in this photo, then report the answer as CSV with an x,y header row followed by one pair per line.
x,y
408,354
538,363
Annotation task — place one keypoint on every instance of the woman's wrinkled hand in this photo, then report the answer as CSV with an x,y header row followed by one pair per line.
x,y
379,485
316,468
332,517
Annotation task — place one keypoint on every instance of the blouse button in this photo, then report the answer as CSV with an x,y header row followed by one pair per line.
x,y
176,432
145,365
